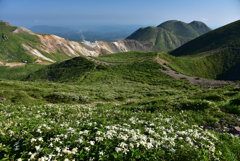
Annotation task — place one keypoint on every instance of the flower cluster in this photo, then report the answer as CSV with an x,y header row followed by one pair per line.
x,y
53,132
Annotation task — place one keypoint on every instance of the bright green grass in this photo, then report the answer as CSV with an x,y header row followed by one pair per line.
x,y
14,44
82,70
128,57
18,73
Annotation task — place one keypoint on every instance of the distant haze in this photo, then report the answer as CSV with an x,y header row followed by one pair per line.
x,y
28,13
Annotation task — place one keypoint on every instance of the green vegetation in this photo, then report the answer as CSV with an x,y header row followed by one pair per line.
x,y
169,35
214,55
221,65
224,37
18,73
128,57
12,50
191,30
69,70
108,133
164,122
85,110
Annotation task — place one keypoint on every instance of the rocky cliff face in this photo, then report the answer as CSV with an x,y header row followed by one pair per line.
x,y
19,45
52,45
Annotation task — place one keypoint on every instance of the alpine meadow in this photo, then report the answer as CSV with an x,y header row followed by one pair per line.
x,y
169,93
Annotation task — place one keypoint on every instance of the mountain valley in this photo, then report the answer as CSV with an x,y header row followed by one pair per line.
x,y
63,100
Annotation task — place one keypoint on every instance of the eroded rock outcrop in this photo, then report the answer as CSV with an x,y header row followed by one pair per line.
x,y
53,48
5,38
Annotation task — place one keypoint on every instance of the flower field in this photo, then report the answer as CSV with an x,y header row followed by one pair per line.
x,y
77,132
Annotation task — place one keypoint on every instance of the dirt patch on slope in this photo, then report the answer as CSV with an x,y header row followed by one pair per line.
x,y
15,64
41,62
23,30
193,80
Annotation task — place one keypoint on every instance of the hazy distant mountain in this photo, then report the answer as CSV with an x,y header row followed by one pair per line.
x,y
51,29
169,35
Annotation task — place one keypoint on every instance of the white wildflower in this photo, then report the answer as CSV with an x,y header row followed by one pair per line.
x,y
40,139
33,140
101,153
117,149
125,150
87,148
58,149
172,150
37,148
92,142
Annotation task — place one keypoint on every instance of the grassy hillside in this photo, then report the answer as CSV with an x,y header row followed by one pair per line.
x,y
78,109
82,70
70,70
12,50
217,66
117,82
127,57
224,37
82,109
214,55
18,73
169,35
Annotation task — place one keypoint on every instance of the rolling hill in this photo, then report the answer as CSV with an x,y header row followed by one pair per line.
x,y
169,35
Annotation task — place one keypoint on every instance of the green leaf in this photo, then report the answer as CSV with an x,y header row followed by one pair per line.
x,y
115,155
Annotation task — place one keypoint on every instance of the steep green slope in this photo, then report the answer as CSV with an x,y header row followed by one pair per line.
x,y
224,37
11,49
169,35
219,66
214,55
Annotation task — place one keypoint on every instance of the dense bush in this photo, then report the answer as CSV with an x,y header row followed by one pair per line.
x,y
63,97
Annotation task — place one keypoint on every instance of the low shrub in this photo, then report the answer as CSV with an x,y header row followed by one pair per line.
x,y
63,97
195,105
235,101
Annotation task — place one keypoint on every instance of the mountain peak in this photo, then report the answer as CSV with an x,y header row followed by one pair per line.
x,y
170,34
218,39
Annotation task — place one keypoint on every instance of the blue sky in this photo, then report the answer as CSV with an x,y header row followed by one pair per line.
x,y
27,13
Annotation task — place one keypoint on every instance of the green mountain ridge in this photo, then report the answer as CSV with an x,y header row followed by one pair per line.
x,y
214,55
169,35
225,36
